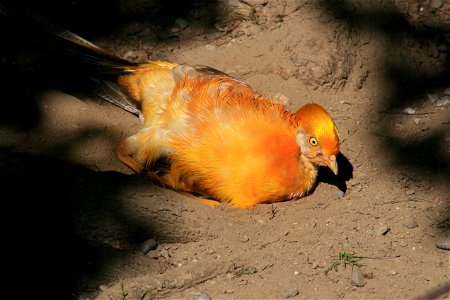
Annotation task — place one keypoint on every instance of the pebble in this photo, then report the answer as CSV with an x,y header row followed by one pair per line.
x,y
181,23
296,272
203,296
290,293
339,194
443,102
443,244
442,48
435,4
357,279
409,111
383,230
148,245
411,223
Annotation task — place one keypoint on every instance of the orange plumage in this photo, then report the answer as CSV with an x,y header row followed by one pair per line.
x,y
224,141
206,133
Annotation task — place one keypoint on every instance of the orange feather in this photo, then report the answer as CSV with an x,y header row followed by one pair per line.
x,y
205,132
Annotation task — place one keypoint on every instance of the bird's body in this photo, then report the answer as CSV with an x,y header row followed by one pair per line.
x,y
209,134
221,138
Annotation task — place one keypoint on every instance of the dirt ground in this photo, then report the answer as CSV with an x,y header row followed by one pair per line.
x,y
74,221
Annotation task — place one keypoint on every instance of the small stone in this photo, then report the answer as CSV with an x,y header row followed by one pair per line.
x,y
290,293
296,272
442,48
435,4
357,279
102,287
181,23
392,273
315,265
417,121
403,243
339,194
443,102
443,244
411,223
203,296
148,245
409,111
383,230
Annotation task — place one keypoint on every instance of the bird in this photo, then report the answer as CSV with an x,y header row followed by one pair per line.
x,y
205,133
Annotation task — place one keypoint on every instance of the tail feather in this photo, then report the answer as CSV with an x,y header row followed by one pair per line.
x,y
61,40
95,61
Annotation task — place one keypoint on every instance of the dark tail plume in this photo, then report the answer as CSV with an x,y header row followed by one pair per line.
x,y
101,66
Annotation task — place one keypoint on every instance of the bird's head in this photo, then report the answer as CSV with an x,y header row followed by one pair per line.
x,y
318,136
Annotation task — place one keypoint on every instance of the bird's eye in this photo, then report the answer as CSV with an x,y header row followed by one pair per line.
x,y
313,141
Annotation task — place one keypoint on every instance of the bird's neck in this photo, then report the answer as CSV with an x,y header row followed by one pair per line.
x,y
310,172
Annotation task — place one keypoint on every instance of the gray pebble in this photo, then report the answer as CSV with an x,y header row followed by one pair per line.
x,y
447,90
339,194
411,223
203,296
435,4
290,293
148,245
357,279
443,244
383,230
181,23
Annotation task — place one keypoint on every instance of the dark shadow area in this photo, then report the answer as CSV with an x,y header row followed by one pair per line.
x,y
58,218
44,221
345,173
101,17
409,75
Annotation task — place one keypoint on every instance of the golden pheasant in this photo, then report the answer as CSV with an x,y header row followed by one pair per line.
x,y
208,134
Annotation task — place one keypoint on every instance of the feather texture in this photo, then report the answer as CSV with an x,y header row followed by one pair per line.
x,y
205,132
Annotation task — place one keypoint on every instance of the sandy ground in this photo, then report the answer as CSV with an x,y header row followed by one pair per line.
x,y
74,221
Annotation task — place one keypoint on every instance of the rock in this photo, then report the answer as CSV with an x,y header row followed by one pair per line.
x,y
411,223
409,111
203,296
339,194
444,101
443,244
357,279
435,4
148,245
181,23
383,230
290,293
